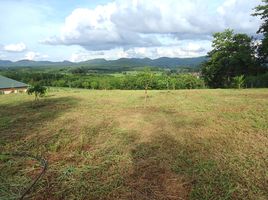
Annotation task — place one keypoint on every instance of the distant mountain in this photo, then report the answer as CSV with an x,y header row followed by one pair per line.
x,y
141,62
163,62
5,62
31,63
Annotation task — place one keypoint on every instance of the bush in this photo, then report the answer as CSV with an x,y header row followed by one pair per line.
x,y
188,81
238,82
38,91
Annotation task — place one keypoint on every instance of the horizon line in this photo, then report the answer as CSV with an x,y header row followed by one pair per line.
x,y
104,59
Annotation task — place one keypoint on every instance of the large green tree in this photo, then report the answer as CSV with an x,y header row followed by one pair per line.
x,y
232,55
262,11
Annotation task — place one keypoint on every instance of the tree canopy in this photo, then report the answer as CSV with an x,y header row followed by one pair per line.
x,y
232,55
38,90
262,11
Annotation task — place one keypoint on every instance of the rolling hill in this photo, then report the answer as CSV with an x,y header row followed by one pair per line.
x,y
163,62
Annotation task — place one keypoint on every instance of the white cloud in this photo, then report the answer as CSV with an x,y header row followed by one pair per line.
x,y
94,30
106,54
183,50
166,51
146,23
236,14
31,55
194,47
2,56
19,47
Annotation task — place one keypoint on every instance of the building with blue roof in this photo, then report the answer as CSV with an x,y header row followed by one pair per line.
x,y
8,86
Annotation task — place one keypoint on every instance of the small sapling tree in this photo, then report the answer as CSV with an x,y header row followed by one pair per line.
x,y
146,78
38,91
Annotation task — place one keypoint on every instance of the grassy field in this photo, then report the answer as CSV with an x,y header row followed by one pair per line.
x,y
188,144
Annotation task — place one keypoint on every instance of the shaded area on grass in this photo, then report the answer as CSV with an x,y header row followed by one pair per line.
x,y
19,121
151,176
164,168
94,168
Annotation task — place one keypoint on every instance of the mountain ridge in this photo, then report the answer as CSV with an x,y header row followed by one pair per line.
x,y
121,62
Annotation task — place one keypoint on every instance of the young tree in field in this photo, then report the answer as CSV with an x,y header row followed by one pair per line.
x,y
232,55
262,11
145,78
38,91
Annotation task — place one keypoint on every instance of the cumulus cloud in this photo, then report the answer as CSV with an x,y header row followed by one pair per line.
x,y
164,16
19,47
186,49
94,30
31,55
236,14
191,50
144,23
106,54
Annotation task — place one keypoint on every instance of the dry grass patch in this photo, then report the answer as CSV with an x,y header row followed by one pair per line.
x,y
187,144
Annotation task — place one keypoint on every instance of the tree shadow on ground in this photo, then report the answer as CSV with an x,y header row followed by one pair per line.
x,y
152,176
22,119
19,122
166,169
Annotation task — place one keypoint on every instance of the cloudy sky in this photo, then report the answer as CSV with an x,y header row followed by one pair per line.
x,y
79,30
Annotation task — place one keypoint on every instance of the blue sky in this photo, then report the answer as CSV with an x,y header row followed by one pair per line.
x,y
79,30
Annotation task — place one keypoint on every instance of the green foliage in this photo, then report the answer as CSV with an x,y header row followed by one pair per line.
x,y
262,11
238,81
145,78
260,81
188,81
232,55
79,70
38,91
129,81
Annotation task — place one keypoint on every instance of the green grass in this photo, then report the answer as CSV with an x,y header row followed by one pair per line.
x,y
187,144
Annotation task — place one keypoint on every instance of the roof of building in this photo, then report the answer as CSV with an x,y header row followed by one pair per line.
x,y
10,83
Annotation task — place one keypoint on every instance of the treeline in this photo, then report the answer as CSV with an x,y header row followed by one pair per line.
x,y
157,81
89,70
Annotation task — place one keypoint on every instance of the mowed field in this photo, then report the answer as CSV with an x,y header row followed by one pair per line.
x,y
187,144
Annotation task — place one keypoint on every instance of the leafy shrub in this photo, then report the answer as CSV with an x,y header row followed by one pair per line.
x,y
38,91
238,82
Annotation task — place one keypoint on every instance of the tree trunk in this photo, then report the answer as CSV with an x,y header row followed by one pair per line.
x,y
146,94
36,97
